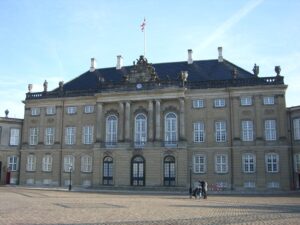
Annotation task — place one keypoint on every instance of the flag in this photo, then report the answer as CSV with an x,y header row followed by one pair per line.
x,y
143,25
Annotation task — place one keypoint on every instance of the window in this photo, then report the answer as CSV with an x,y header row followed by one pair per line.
x,y
49,136
111,130
198,103
70,137
47,163
296,125
247,130
107,171
270,130
249,163
35,111
140,136
272,163
169,171
12,162
33,136
170,129
269,100
14,136
297,162
50,110
199,133
71,110
86,164
249,184
273,184
88,109
199,165
87,135
31,163
138,171
69,163
219,103
221,163
220,129
246,100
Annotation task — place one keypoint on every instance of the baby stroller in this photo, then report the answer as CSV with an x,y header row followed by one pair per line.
x,y
197,191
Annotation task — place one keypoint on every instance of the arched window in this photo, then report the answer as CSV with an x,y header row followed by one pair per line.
x,y
140,130
47,163
169,171
138,171
108,170
86,164
111,130
170,129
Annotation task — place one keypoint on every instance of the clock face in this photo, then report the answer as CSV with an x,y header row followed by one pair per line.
x,y
139,86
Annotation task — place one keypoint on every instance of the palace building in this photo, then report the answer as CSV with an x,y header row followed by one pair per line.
x,y
161,125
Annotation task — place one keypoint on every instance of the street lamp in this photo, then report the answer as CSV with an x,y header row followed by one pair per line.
x,y
70,179
190,189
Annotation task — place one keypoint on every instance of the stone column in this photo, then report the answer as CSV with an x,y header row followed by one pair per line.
x,y
99,121
150,119
181,120
127,122
121,121
157,120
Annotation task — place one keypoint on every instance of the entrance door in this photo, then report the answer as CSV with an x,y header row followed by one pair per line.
x,y
138,171
169,171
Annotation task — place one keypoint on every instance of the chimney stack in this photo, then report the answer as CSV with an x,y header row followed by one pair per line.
x,y
119,62
220,58
190,56
93,65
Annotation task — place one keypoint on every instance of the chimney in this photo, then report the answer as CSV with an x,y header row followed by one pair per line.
x,y
93,65
119,62
190,56
220,58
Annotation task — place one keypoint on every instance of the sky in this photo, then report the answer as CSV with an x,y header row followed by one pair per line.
x,y
54,40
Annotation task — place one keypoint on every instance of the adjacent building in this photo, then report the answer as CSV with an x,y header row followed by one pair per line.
x,y
162,125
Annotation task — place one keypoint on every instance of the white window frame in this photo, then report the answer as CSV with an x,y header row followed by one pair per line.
x,y
269,100
171,127
140,130
273,184
33,135
249,163
87,135
247,130
221,163
50,110
270,130
69,163
199,132
47,163
296,125
297,162
111,130
198,103
70,136
49,135
246,100
35,111
86,164
14,138
220,131
89,109
71,110
13,162
249,184
31,163
272,162
199,163
219,103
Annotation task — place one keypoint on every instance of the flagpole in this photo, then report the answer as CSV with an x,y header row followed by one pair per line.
x,y
145,42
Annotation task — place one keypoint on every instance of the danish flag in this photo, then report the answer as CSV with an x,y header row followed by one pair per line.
x,y
143,25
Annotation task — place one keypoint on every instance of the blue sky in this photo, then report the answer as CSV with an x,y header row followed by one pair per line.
x,y
55,39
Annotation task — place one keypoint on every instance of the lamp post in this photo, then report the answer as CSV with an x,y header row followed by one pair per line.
x,y
70,178
190,189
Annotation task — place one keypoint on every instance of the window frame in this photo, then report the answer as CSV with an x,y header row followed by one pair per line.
x,y
14,137
246,101
49,136
140,130
88,135
221,167
71,110
269,100
50,110
247,130
111,127
270,127
13,163
199,132
33,136
297,163
220,131
171,129
270,165
69,163
31,163
220,103
86,165
198,103
88,109
249,163
199,166
296,129
47,163
70,135
35,111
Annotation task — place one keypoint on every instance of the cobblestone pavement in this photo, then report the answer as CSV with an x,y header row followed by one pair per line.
x,y
20,206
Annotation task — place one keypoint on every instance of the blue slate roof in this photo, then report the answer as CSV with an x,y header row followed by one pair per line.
x,y
201,70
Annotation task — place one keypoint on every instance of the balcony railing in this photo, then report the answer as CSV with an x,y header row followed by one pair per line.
x,y
122,86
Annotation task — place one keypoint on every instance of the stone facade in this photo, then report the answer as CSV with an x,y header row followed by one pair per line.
x,y
233,136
